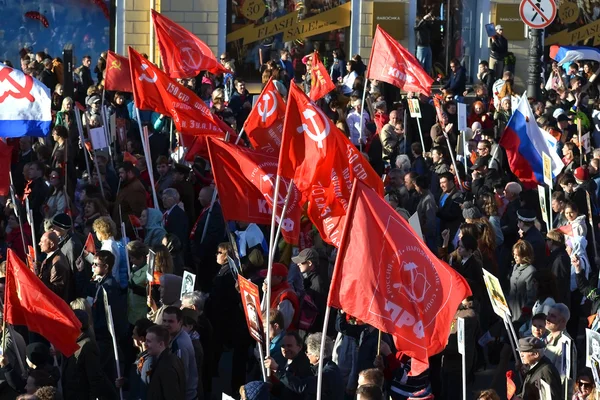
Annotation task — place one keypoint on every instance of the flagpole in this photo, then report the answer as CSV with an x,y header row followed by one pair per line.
x,y
17,211
421,134
454,162
212,203
270,263
145,145
322,352
579,128
283,210
239,136
379,343
589,206
171,137
32,226
405,125
81,139
362,106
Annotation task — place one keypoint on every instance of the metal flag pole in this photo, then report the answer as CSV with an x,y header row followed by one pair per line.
x,y
454,162
322,353
210,209
283,211
239,136
362,106
145,147
13,197
82,140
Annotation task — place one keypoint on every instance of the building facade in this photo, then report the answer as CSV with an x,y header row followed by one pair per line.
x,y
254,31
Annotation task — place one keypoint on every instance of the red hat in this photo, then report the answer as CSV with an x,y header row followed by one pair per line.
x,y
581,174
278,270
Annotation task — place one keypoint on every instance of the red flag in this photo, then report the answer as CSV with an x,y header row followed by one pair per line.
x,y
90,245
392,63
118,76
399,285
5,157
31,257
248,178
129,157
264,125
29,302
321,82
323,164
135,221
566,230
511,388
183,54
154,90
439,111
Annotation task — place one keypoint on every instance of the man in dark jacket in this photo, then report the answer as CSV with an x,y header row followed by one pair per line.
x,y
449,211
423,29
85,73
54,271
47,76
82,377
498,50
36,191
559,263
174,218
484,178
531,350
297,365
167,376
333,386
131,198
240,103
315,282
12,362
531,234
71,242
458,78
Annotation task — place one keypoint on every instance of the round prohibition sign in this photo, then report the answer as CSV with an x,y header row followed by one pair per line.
x,y
537,14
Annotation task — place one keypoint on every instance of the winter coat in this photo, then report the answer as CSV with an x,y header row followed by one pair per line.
x,y
167,378
545,370
154,227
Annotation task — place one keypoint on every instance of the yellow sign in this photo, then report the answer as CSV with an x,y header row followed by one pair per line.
x,y
292,28
390,16
585,32
568,12
253,9
508,16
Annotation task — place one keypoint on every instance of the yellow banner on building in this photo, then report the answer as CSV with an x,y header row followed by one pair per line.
x,y
566,37
292,28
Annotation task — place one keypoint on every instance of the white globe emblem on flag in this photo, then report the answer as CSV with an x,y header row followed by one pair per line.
x,y
314,131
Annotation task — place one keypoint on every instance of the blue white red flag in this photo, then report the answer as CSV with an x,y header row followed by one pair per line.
x,y
524,142
25,104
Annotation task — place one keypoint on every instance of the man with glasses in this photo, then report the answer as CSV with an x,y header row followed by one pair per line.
x,y
484,149
556,323
458,79
531,351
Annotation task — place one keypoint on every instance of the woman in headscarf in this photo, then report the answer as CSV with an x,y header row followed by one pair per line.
x,y
170,289
152,221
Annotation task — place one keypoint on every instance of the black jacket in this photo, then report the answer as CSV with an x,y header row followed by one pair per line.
x,y
333,386
486,183
178,224
450,214
298,368
316,286
508,223
167,378
423,33
498,47
560,265
83,377
537,241
545,370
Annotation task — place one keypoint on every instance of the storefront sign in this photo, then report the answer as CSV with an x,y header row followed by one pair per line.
x,y
568,12
390,16
253,9
292,28
565,37
508,16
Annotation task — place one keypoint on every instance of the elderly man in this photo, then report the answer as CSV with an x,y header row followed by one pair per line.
x,y
333,387
531,351
174,218
54,271
71,242
556,323
390,139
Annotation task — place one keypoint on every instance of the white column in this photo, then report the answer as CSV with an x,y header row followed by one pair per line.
x,y
221,44
355,22
412,20
120,27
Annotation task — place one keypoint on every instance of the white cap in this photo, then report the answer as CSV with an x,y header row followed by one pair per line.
x,y
499,27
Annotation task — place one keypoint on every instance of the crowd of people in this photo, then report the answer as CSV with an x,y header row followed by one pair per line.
x,y
472,210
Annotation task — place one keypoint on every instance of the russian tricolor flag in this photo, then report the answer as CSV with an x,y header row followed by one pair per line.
x,y
524,142
25,104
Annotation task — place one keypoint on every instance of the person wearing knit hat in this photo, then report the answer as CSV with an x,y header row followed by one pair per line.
x,y
70,242
255,390
470,212
581,175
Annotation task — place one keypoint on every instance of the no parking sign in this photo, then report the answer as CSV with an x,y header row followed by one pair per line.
x,y
537,14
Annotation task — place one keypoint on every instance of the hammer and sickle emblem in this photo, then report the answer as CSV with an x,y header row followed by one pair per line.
x,y
267,112
318,135
116,64
23,92
144,77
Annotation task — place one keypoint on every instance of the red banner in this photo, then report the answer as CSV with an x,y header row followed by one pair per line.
x,y
321,83
154,90
118,76
390,62
248,179
182,53
323,164
264,125
399,286
5,157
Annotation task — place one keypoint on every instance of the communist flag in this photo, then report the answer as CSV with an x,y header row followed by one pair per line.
x,y
29,302
182,53
248,179
322,162
264,125
399,286
392,63
321,82
154,90
5,157
118,76
90,245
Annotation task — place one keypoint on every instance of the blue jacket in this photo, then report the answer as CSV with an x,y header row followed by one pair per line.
x,y
457,82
